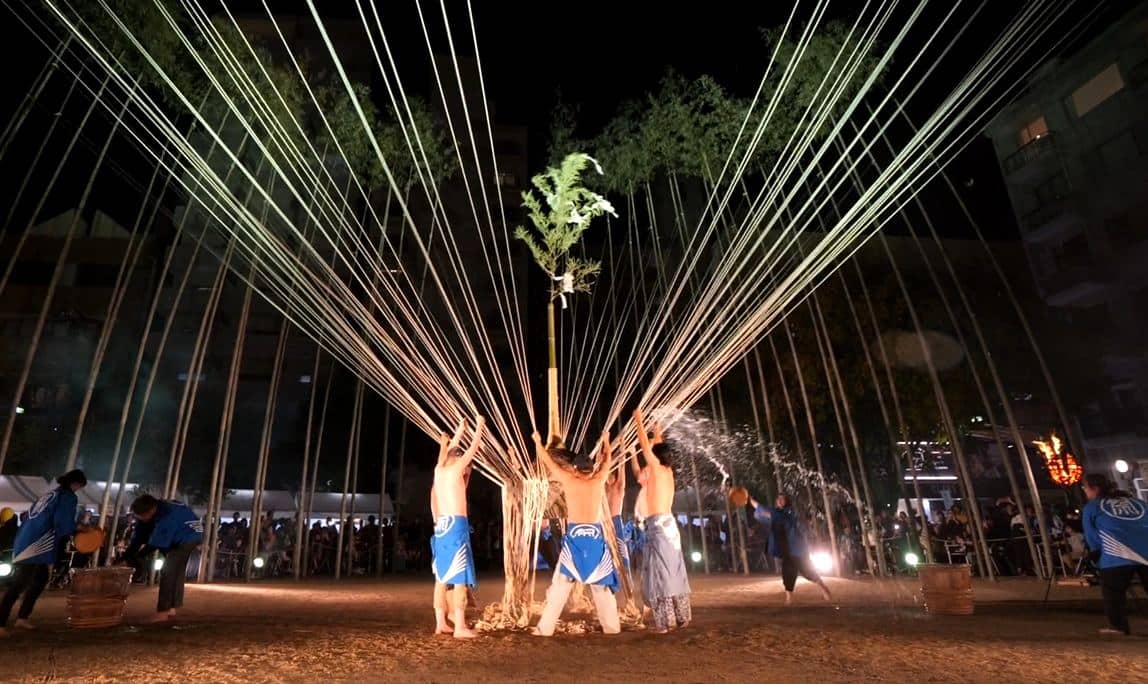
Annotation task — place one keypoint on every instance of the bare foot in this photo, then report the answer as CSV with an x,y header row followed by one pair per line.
x,y
464,633
24,624
684,625
443,628
159,618
825,594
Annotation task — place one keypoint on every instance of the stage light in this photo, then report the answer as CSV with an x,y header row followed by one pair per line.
x,y
19,410
696,556
5,569
911,559
822,561
157,565
1121,466
258,563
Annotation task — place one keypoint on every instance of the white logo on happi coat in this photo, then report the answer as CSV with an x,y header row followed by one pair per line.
x,y
590,531
1123,508
443,525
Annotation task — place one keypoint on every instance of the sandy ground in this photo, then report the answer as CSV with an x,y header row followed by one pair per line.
x,y
366,631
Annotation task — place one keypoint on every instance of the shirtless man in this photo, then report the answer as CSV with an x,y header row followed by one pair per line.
x,y
585,558
665,586
615,495
453,562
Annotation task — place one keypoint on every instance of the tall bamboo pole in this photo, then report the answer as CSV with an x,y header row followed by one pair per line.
x,y
51,68
830,523
194,370
58,271
355,416
982,393
792,421
894,449
926,533
223,446
272,406
836,399
301,518
383,490
318,453
984,559
132,252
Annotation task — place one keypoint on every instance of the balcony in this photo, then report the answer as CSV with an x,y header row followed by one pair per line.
x,y
1028,162
1058,219
1078,282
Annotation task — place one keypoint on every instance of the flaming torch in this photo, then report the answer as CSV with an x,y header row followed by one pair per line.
x,y
1062,466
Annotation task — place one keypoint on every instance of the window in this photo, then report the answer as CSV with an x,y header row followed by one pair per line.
x,y
1102,86
1037,128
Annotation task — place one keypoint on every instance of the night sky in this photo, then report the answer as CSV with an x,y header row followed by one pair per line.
x,y
595,55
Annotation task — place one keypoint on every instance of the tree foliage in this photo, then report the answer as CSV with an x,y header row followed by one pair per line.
x,y
560,218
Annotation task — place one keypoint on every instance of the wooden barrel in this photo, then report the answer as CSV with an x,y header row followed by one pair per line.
x,y
97,597
102,582
948,589
92,612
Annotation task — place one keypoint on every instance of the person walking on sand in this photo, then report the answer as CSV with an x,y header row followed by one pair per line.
x,y
452,558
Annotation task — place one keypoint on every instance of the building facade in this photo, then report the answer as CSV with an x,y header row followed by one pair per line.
x,y
1073,150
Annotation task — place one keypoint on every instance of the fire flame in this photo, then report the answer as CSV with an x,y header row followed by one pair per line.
x,y
1062,466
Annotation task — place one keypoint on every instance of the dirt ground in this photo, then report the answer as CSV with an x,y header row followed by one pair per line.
x,y
367,631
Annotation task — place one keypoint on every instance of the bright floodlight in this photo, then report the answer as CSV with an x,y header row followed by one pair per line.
x,y
696,556
158,564
5,569
1121,466
19,410
258,563
911,559
822,561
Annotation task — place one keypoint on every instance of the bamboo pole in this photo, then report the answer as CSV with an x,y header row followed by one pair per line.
x,y
223,446
51,181
830,523
51,67
834,400
301,519
132,252
265,451
318,453
984,559
926,533
982,393
381,557
792,421
194,370
354,493
57,272
355,415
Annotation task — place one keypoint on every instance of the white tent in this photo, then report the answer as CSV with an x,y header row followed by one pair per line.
x,y
19,492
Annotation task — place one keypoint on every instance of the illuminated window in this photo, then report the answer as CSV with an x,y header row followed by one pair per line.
x,y
1102,86
1037,128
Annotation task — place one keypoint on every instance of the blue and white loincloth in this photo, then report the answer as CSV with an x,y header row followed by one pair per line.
x,y
663,566
453,561
586,558
621,534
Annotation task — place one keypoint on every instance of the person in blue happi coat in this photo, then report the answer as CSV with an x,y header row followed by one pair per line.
x,y
174,530
39,542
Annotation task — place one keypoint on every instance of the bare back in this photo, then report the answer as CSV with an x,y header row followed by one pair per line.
x,y
583,497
